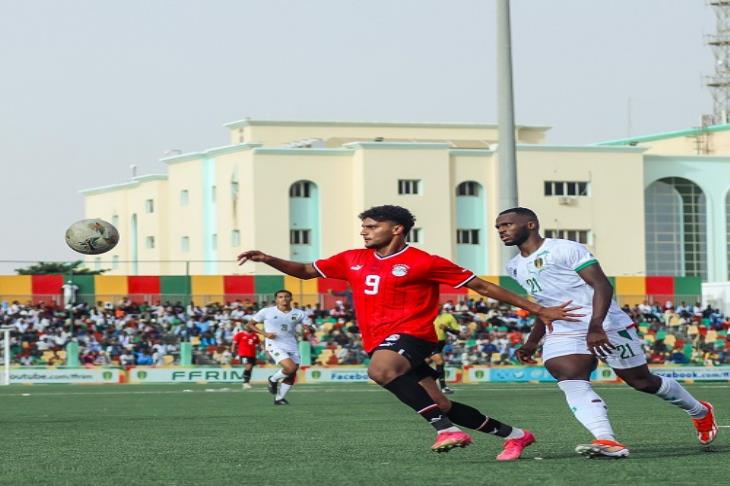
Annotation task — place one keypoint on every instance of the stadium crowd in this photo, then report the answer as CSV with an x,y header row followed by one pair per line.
x,y
128,333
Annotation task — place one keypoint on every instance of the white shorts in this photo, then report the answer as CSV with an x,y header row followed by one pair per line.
x,y
280,353
629,352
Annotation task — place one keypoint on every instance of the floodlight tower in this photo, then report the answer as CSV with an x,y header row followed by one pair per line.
x,y
719,82
507,168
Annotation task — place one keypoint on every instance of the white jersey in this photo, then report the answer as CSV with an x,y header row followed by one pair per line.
x,y
550,275
283,324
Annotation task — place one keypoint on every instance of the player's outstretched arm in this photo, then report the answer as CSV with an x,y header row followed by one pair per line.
x,y
304,271
563,312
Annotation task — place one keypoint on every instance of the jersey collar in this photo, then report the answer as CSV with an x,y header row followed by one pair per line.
x,y
391,256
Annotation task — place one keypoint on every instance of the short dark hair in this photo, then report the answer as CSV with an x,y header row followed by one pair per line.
x,y
283,291
396,214
521,211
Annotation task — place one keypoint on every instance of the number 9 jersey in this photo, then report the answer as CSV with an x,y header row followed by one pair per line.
x,y
395,294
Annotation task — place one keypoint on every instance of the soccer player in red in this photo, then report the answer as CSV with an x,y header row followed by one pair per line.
x,y
244,346
396,294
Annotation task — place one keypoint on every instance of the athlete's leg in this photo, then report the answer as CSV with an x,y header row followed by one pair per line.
x,y
573,374
467,416
389,369
629,363
248,371
289,367
438,360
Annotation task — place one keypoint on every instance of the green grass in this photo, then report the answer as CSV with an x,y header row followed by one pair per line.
x,y
333,435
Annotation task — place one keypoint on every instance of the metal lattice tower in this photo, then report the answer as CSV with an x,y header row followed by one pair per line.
x,y
719,82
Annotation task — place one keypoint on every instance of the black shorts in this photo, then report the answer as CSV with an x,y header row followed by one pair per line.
x,y
439,348
247,360
413,349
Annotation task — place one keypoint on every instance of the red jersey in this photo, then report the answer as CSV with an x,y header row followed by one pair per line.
x,y
247,342
394,294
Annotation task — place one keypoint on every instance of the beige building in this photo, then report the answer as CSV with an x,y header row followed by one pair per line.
x,y
294,189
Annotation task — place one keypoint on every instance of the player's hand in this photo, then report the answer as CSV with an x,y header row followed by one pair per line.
x,y
598,343
270,335
524,353
253,255
562,312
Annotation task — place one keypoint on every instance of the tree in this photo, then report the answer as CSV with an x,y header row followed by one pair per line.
x,y
65,268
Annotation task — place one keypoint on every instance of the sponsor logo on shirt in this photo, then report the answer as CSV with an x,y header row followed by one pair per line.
x,y
399,270
356,267
393,337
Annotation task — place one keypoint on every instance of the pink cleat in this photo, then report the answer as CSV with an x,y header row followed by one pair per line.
x,y
512,449
445,441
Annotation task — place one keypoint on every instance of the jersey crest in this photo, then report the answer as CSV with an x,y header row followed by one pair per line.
x,y
400,270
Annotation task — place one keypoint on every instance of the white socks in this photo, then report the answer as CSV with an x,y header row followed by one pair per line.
x,y
675,393
278,376
515,434
588,407
283,389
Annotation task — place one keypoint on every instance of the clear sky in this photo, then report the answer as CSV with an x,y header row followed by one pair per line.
x,y
89,87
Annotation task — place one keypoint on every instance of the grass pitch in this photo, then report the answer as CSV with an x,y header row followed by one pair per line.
x,y
333,435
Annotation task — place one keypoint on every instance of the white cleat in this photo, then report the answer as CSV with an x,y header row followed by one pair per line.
x,y
247,386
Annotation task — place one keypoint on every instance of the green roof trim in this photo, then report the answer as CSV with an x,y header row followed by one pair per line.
x,y
689,132
586,265
576,148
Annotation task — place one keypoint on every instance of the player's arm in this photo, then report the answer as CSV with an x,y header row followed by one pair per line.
x,y
453,328
562,312
304,271
602,294
525,352
251,326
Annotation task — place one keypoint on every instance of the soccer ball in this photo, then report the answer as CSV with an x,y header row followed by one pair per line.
x,y
92,236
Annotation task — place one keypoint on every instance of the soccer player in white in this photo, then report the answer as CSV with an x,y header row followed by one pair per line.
x,y
553,270
281,322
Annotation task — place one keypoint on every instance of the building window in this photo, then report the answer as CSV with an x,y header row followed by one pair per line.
x,y
580,236
149,242
212,193
675,228
300,236
566,188
115,262
185,243
149,205
468,188
236,237
184,197
234,189
115,221
300,189
467,236
414,236
409,186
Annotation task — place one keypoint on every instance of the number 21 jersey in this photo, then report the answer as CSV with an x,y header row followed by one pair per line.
x,y
550,275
